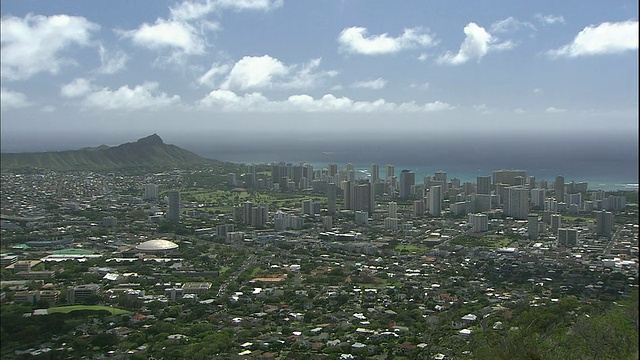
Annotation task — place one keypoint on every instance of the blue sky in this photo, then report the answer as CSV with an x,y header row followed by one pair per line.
x,y
113,71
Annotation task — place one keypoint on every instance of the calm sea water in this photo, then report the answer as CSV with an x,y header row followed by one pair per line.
x,y
607,167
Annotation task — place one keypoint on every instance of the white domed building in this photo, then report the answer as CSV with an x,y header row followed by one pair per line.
x,y
157,246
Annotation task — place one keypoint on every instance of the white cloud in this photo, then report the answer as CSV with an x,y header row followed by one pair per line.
x,y
478,43
259,72
538,91
228,101
549,19
145,96
48,109
208,79
606,38
238,5
112,63
510,24
355,40
192,10
184,31
171,34
552,109
308,76
34,44
77,88
519,111
376,84
12,99
254,72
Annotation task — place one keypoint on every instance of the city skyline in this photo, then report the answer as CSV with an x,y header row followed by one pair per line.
x,y
77,74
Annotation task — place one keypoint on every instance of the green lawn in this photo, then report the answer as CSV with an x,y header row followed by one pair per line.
x,y
410,248
68,309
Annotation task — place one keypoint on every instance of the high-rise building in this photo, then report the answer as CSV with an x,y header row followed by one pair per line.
x,y
532,226
516,204
393,209
567,237
483,185
375,173
435,205
363,197
538,196
150,192
478,222
390,172
331,198
332,169
604,223
532,182
346,191
558,187
418,208
556,222
174,206
441,177
251,177
508,176
407,181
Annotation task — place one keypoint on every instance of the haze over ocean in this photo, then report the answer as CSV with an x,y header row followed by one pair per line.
x,y
604,165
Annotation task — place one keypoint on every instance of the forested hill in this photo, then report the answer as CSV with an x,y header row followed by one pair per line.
x,y
150,151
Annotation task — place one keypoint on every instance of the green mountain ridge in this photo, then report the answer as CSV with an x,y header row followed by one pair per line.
x,y
150,151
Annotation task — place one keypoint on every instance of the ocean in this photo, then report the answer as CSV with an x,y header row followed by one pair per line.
x,y
607,166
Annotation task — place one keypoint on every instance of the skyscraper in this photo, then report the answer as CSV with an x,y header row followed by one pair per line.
x,y
150,192
604,223
331,198
508,176
363,197
558,187
532,226
407,180
375,173
393,209
517,203
390,172
435,205
483,184
174,206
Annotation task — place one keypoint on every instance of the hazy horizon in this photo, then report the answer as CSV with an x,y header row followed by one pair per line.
x,y
466,84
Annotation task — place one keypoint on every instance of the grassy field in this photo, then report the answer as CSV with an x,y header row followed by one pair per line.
x,y
68,309
480,242
410,248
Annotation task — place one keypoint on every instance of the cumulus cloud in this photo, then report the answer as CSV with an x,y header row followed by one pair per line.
x,y
12,99
376,84
549,19
35,43
265,72
254,72
168,34
228,101
355,40
190,10
477,43
184,31
77,88
111,63
606,38
145,96
209,78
